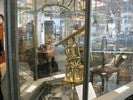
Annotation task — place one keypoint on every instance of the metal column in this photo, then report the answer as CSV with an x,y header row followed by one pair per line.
x,y
87,48
10,13
35,39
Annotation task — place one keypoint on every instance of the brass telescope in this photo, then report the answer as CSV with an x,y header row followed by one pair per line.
x,y
71,36
74,68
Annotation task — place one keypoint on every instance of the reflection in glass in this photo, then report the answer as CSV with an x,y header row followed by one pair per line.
x,y
41,29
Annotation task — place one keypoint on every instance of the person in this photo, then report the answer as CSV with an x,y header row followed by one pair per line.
x,y
51,56
51,51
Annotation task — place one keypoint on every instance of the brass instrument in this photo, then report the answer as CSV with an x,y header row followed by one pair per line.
x,y
72,35
74,68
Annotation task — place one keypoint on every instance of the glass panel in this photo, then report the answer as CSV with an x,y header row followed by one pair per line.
x,y
26,44
51,46
111,45
51,42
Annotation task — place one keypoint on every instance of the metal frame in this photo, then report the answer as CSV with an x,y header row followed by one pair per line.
x,y
88,12
10,13
35,40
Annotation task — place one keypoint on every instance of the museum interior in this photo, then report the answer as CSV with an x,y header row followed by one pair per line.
x,y
66,49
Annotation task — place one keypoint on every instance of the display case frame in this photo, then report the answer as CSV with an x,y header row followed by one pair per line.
x,y
10,9
12,48
10,13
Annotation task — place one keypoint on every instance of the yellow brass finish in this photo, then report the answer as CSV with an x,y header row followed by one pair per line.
x,y
79,31
74,68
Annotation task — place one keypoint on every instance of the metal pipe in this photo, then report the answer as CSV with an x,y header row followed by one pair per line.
x,y
35,41
88,12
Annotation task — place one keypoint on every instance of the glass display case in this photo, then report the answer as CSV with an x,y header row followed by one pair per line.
x,y
111,45
73,49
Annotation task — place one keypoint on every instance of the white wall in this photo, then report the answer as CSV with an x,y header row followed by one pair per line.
x,y
1,6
